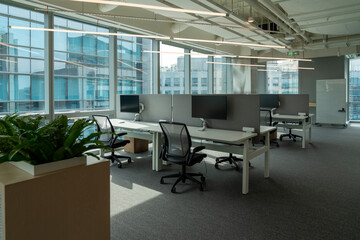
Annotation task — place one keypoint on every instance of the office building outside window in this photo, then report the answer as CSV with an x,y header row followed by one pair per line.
x,y
199,70
81,67
21,61
133,65
354,89
282,80
221,72
172,70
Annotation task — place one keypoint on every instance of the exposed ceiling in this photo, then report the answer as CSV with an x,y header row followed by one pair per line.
x,y
297,24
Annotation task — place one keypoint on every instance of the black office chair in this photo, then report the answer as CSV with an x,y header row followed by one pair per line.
x,y
268,121
177,149
231,159
290,135
110,138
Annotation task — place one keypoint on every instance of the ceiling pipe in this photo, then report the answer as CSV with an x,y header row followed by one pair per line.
x,y
269,15
275,10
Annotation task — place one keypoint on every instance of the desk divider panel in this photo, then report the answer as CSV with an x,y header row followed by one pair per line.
x,y
293,104
242,111
157,107
182,110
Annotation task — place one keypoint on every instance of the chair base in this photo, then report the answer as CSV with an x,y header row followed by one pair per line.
x,y
290,136
183,176
116,158
231,159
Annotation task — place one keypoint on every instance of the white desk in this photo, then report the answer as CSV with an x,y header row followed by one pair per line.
x,y
301,122
212,139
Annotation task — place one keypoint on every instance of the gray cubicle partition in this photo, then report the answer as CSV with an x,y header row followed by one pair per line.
x,y
242,111
182,110
157,107
293,104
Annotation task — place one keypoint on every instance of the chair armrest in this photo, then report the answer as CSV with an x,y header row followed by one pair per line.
x,y
118,135
198,149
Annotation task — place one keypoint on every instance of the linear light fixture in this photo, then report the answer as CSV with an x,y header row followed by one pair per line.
x,y
192,54
267,70
131,66
256,65
125,78
230,56
227,43
58,59
303,68
88,32
147,36
238,64
5,60
136,5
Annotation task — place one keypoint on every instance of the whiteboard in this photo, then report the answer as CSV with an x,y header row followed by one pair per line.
x,y
331,101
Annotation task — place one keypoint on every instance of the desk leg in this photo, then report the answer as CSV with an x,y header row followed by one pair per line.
x,y
303,135
267,156
156,162
245,167
310,129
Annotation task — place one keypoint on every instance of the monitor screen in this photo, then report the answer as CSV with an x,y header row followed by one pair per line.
x,y
129,103
269,100
209,107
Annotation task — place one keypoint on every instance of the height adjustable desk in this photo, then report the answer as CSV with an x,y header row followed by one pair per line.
x,y
213,139
302,122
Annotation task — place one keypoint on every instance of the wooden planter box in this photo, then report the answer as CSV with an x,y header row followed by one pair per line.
x,y
71,204
36,170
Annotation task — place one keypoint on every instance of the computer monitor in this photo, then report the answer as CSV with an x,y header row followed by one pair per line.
x,y
269,101
209,107
129,103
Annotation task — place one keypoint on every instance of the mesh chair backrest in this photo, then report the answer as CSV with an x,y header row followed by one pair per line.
x,y
177,138
104,125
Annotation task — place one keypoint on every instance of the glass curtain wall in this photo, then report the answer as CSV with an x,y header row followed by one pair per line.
x,y
81,67
172,70
134,66
21,61
199,74
221,78
354,89
282,80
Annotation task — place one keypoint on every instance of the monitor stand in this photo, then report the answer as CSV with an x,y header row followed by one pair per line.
x,y
203,125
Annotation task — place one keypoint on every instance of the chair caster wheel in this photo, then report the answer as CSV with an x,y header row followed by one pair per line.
x,y
216,166
173,190
112,161
201,188
161,181
119,165
294,140
129,160
202,179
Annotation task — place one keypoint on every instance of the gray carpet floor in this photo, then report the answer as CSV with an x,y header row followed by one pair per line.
x,y
312,193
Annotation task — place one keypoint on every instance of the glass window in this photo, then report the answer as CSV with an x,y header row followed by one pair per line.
x,y
21,61
134,66
354,89
172,67
221,72
81,63
282,80
167,82
199,70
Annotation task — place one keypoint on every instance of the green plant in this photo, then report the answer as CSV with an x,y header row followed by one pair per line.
x,y
29,138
